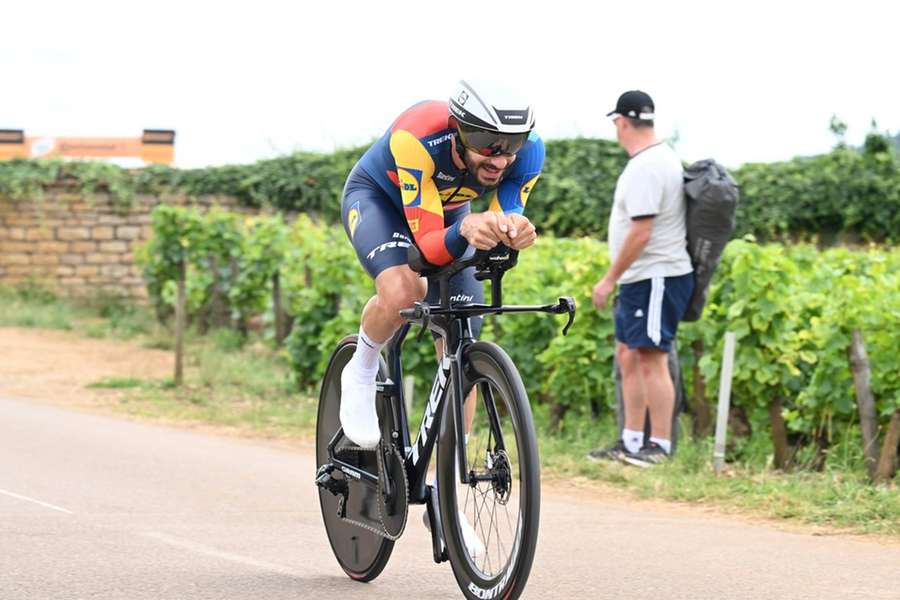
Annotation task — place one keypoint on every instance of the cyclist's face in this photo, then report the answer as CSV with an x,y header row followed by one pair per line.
x,y
488,169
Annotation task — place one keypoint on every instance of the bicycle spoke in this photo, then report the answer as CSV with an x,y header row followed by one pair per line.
x,y
492,505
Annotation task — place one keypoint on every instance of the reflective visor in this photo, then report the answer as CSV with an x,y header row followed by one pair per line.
x,y
491,143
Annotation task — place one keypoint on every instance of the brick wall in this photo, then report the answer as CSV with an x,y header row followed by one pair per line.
x,y
78,246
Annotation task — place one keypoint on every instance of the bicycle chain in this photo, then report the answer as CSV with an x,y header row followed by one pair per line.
x,y
367,526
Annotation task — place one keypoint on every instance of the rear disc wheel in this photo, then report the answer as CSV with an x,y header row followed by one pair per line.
x,y
361,553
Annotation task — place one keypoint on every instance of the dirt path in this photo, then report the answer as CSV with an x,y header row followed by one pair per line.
x,y
57,366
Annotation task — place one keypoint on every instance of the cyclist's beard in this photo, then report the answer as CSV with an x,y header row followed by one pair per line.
x,y
473,177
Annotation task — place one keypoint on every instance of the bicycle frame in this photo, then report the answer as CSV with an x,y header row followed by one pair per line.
x,y
451,324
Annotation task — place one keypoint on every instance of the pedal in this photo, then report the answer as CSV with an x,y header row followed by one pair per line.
x,y
337,487
438,548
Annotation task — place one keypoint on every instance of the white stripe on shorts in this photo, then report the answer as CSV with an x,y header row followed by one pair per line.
x,y
654,310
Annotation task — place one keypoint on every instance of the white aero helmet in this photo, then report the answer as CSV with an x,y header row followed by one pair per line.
x,y
491,119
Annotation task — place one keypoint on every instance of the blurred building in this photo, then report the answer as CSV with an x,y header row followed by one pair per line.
x,y
154,146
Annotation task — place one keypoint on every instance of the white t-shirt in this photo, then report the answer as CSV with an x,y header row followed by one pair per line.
x,y
652,185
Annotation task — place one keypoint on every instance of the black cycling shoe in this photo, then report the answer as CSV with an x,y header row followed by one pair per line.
x,y
617,453
648,456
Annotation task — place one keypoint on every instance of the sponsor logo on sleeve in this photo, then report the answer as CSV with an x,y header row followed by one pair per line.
x,y
353,219
438,141
526,189
410,186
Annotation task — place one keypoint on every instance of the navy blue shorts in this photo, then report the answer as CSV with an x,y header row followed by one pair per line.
x,y
380,236
647,312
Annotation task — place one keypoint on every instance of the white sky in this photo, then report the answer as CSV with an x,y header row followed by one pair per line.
x,y
239,81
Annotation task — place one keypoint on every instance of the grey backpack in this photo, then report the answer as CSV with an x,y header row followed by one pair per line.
x,y
711,196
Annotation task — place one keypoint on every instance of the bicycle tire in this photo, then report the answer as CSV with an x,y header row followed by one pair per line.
x,y
361,554
487,364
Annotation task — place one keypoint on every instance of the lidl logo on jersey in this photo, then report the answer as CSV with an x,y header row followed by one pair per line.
x,y
410,186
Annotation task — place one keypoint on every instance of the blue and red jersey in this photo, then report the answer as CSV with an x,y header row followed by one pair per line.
x,y
413,163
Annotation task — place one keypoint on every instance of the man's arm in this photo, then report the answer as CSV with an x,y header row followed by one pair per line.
x,y
635,241
511,195
422,203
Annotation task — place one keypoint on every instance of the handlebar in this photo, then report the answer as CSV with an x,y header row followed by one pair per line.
x,y
500,258
489,264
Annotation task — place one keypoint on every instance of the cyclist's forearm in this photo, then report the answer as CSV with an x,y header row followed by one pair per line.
x,y
441,246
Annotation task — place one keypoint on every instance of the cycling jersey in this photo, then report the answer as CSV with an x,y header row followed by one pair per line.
x,y
413,164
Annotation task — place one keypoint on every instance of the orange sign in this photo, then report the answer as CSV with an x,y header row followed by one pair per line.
x,y
154,146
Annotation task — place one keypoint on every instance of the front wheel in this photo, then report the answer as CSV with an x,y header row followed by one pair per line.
x,y
502,503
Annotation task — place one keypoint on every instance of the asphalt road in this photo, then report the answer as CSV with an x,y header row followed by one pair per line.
x,y
94,507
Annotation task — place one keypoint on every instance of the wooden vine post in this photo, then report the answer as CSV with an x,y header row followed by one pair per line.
x,y
180,322
865,400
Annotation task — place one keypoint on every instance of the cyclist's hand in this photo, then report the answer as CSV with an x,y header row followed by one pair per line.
x,y
485,230
521,233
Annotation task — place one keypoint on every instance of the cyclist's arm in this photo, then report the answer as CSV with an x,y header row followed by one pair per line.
x,y
512,193
422,202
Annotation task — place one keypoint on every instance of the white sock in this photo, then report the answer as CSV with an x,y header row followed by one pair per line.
x,y
633,439
664,444
365,359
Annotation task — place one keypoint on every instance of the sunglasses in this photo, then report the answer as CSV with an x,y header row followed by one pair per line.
x,y
491,143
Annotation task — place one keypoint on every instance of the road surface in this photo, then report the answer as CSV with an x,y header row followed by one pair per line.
x,y
97,507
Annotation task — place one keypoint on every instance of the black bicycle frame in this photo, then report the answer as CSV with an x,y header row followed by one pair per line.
x,y
451,324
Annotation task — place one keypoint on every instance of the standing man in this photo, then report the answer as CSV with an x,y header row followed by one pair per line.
x,y
650,262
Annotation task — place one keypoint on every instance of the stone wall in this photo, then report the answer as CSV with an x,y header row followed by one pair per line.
x,y
78,246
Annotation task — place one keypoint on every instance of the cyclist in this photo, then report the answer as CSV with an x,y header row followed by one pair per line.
x,y
414,185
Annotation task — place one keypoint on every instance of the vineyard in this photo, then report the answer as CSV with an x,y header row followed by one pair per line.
x,y
816,321
844,195
796,312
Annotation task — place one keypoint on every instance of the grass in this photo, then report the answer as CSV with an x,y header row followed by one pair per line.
x,y
246,388
839,497
245,385
98,316
116,383
31,306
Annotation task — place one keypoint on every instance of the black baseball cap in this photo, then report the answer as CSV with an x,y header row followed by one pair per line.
x,y
634,104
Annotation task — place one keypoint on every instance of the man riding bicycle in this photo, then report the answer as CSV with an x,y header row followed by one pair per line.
x,y
414,185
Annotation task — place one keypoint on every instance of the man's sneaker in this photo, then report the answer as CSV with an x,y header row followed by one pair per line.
x,y
616,453
358,415
473,543
649,455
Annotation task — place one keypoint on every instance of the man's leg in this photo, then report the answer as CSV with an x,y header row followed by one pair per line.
x,y
396,288
668,298
380,237
654,368
634,397
463,289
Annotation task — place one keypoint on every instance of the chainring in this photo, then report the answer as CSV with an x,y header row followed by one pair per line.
x,y
394,510
391,513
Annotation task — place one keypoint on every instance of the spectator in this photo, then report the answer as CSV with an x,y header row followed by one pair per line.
x,y
650,263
